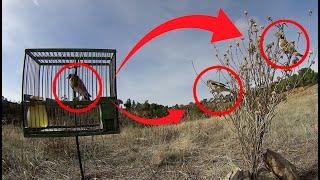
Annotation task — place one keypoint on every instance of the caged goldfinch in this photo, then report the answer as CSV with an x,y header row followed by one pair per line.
x,y
288,47
217,86
77,85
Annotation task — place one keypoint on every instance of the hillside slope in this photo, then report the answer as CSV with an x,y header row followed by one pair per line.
x,y
203,149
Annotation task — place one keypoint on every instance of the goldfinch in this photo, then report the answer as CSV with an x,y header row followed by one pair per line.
x,y
216,86
288,47
77,85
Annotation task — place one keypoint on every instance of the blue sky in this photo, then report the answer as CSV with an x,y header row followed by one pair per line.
x,y
161,71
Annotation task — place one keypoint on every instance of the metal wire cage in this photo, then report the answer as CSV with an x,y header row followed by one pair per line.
x,y
43,117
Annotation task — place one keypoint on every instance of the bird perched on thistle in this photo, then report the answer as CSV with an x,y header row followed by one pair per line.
x,y
77,85
217,86
288,47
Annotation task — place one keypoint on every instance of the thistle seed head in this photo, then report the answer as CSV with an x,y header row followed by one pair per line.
x,y
310,12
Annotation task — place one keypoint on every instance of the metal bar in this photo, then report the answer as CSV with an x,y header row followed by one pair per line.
x,y
51,78
59,64
42,82
66,133
32,56
34,68
38,93
77,137
96,81
39,69
115,88
79,157
114,74
114,54
47,82
89,125
70,50
111,78
73,58
22,96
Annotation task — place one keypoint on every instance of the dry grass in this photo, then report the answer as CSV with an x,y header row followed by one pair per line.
x,y
204,149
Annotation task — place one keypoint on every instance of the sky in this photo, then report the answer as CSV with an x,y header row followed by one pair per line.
x,y
161,71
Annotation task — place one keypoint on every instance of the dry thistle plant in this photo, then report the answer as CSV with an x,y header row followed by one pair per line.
x,y
264,86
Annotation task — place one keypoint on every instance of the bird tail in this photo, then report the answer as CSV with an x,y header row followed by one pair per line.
x,y
227,89
87,96
298,54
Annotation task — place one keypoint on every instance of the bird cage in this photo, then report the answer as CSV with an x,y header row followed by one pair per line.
x,y
44,117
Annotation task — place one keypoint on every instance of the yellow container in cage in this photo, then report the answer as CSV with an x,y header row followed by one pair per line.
x,y
37,116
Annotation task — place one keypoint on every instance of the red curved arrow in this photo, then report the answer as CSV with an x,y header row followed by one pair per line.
x,y
221,27
174,116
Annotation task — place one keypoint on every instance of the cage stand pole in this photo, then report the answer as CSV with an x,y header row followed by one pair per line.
x,y
77,137
79,157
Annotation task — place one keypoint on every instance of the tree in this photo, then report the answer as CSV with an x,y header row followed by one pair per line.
x,y
133,104
128,104
264,86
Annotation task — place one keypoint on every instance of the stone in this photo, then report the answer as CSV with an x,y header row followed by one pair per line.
x,y
237,174
264,174
234,174
280,166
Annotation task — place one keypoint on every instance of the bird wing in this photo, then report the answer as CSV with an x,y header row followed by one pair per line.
x,y
289,45
210,86
78,86
82,88
286,46
73,82
226,89
219,84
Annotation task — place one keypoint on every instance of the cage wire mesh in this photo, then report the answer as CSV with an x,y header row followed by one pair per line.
x,y
42,116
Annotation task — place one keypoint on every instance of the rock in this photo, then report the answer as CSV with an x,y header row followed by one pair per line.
x,y
281,167
266,175
233,174
237,174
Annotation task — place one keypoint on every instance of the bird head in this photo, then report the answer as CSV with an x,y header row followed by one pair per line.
x,y
282,36
211,82
70,76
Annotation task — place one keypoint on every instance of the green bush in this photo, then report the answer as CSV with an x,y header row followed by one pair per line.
x,y
305,77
